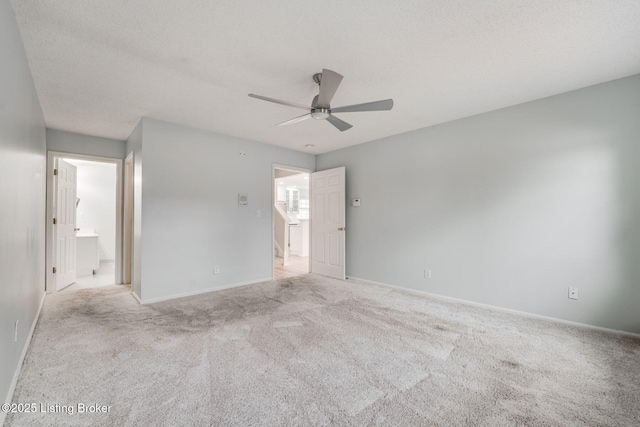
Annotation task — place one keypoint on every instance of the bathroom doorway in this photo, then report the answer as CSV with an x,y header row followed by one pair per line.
x,y
84,222
291,225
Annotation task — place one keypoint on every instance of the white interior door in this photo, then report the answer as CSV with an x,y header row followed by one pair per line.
x,y
65,224
328,223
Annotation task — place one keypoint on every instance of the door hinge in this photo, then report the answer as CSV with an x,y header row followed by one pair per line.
x,y
55,171
54,221
54,270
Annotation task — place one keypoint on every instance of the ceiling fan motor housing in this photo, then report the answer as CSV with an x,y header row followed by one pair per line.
x,y
317,112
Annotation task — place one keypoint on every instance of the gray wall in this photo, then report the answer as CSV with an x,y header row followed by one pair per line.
x,y
22,211
190,209
508,208
69,142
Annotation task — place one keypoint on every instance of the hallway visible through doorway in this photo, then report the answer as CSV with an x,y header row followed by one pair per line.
x,y
84,226
291,223
297,266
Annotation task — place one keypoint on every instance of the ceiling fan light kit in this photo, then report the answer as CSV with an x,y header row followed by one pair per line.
x,y
320,108
320,113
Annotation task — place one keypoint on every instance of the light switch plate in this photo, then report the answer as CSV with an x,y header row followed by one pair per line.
x,y
355,202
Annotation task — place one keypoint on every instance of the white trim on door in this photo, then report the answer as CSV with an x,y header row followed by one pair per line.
x,y
127,225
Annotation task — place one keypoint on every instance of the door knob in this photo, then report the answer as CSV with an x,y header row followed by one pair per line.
x,y
342,228
76,229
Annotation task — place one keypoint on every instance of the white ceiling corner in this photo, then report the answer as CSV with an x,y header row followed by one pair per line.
x,y
100,66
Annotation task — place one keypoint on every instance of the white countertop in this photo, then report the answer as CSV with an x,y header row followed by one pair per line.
x,y
87,232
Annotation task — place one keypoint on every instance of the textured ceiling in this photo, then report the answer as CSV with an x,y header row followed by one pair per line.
x,y
99,66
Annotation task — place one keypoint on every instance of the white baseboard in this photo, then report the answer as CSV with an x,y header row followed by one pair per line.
x,y
136,297
16,374
203,291
502,309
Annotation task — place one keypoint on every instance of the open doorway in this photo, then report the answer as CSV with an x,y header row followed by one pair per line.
x,y
291,214
84,227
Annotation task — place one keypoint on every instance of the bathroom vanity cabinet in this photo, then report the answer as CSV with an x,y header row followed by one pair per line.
x,y
87,254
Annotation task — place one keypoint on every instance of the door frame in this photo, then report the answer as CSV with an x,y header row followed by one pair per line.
x,y
50,246
275,166
127,217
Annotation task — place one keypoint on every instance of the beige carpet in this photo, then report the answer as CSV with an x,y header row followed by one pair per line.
x,y
315,351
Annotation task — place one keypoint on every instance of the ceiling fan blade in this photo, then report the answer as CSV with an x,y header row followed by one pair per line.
x,y
296,120
277,101
328,86
384,105
340,124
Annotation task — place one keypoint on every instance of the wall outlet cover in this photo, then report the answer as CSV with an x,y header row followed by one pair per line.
x,y
573,293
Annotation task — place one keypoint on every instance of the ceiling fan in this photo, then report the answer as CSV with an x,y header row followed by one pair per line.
x,y
320,108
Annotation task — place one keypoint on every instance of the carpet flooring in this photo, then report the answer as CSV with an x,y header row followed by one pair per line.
x,y
313,351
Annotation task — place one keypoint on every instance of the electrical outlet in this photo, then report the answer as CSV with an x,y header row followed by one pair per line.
x,y
15,332
573,293
258,214
427,273
216,269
